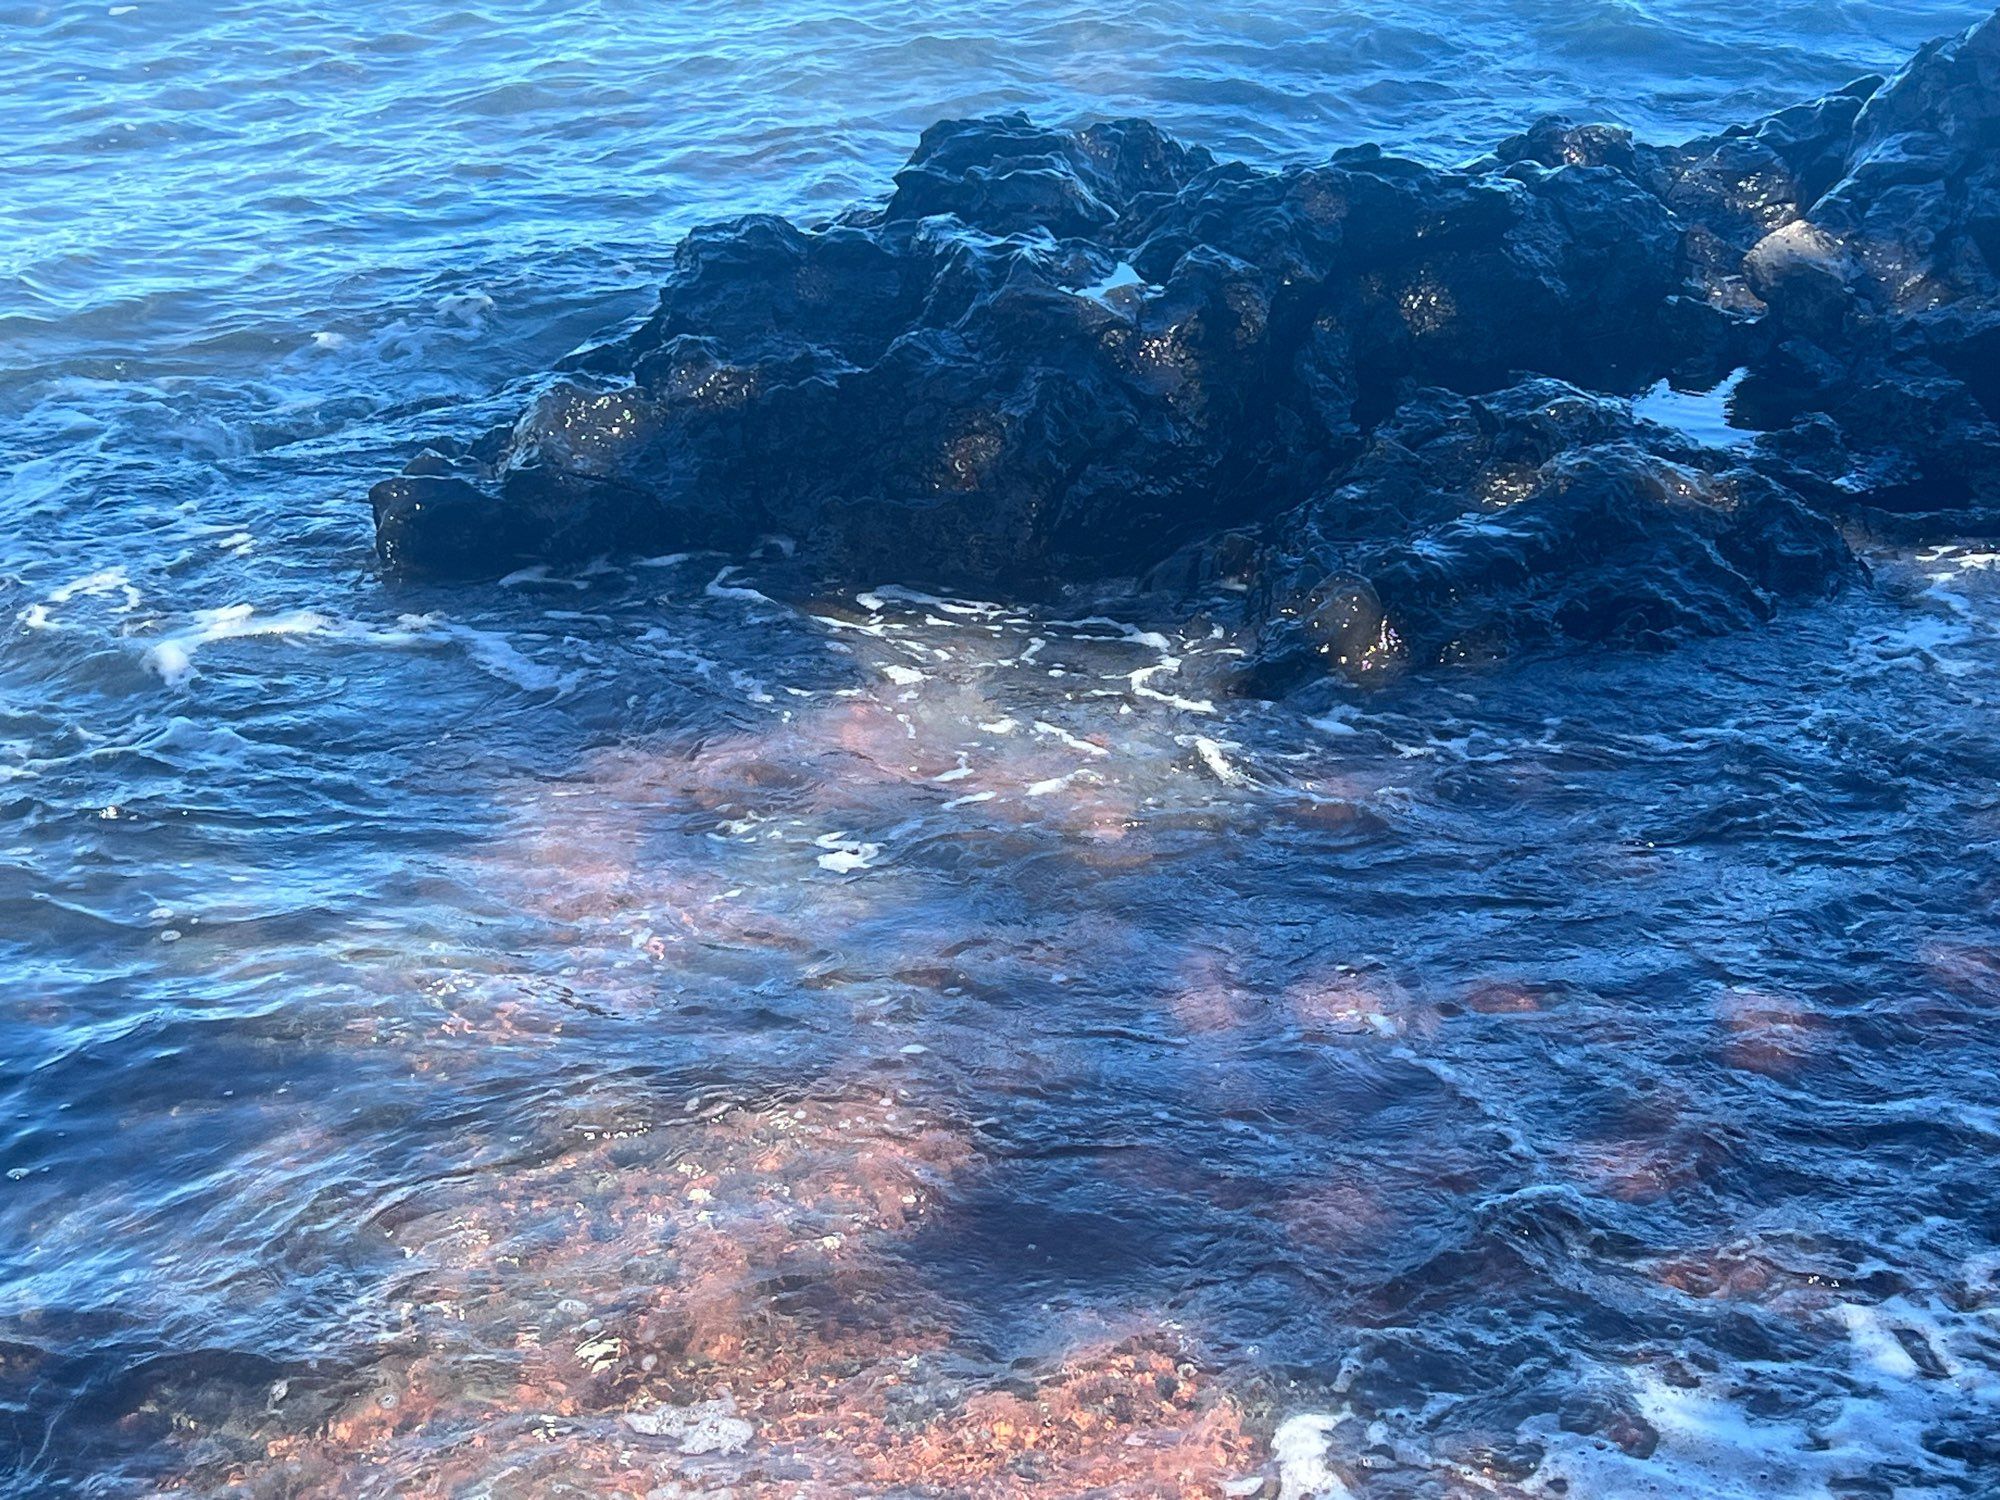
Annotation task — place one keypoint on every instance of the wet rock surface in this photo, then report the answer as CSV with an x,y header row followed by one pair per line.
x,y
1474,526
1375,411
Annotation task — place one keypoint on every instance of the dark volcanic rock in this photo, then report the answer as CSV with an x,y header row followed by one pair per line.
x,y
974,397
1360,390
1473,526
1008,176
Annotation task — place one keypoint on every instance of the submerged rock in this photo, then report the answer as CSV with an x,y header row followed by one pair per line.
x,y
1380,405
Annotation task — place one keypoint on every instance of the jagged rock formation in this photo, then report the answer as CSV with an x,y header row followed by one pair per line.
x,y
1376,404
1471,526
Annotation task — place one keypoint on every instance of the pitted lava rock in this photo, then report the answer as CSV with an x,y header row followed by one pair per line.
x,y
1376,410
1475,525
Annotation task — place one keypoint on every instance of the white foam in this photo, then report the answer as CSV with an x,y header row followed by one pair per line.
x,y
1152,640
1299,1446
173,656
173,661
468,308
105,583
1141,679
97,585
1054,783
1057,732
521,577
877,599
1712,1448
844,854
1218,763
499,657
1709,1448
720,588
490,651
1122,278
1957,562
1335,721
880,629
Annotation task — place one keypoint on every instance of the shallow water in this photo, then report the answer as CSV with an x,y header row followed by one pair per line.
x,y
442,1022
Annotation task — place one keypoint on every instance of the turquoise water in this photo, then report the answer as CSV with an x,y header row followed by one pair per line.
x,y
1493,1070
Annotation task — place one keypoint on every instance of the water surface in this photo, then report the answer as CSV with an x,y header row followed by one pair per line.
x,y
442,1023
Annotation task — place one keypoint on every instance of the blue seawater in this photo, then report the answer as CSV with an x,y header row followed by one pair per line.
x,y
620,1034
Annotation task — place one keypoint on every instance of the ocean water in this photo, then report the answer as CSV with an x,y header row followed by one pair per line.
x,y
621,1034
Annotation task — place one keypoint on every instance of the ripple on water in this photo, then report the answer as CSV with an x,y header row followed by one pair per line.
x,y
639,1030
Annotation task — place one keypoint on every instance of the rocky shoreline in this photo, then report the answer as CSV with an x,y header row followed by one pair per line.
x,y
1368,412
